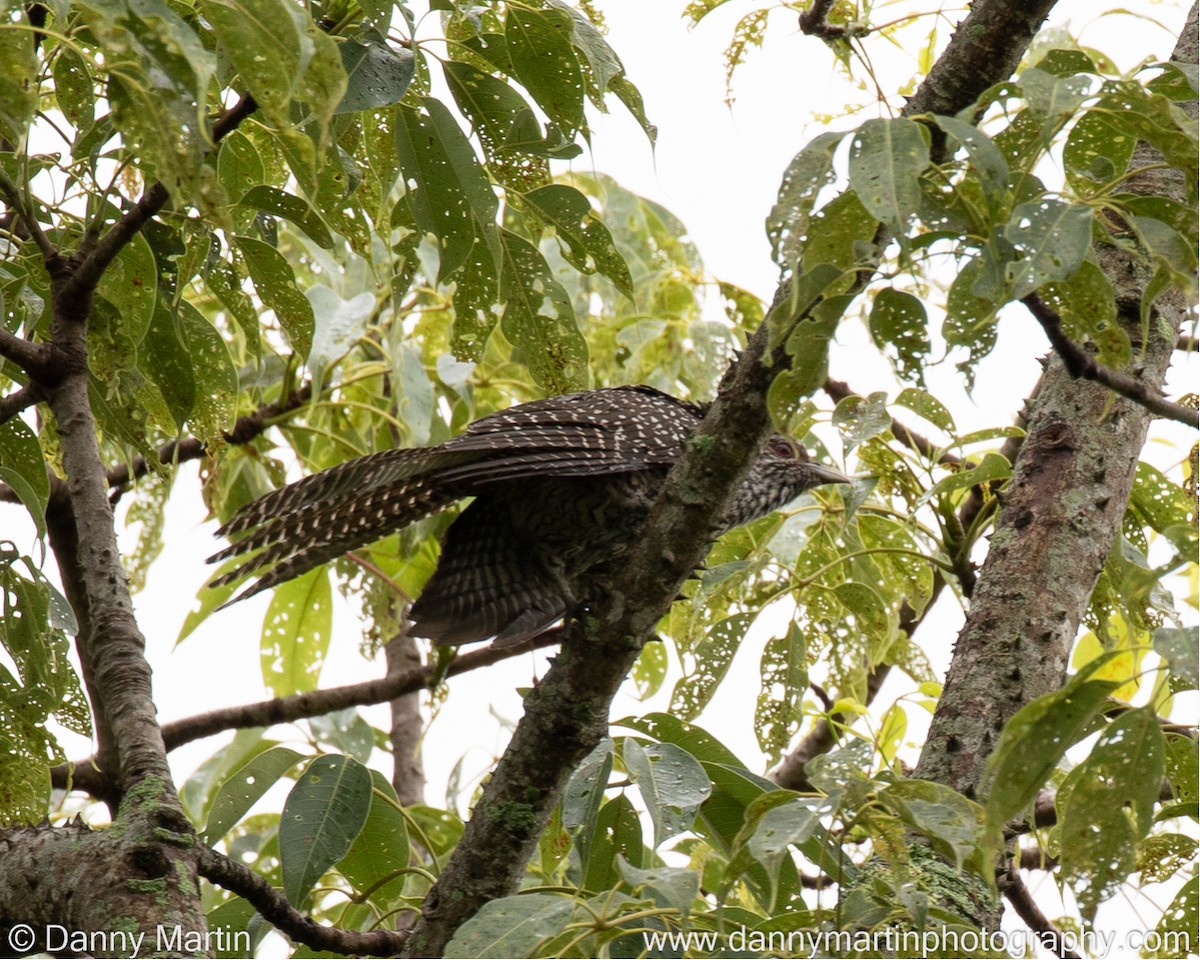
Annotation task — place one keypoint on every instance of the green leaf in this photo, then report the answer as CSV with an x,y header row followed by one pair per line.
x,y
1180,647
296,632
899,322
376,75
667,728
631,96
544,61
240,168
675,887
887,158
18,79
618,833
74,89
602,60
321,817
23,468
1109,807
158,78
216,380
991,467
864,602
970,317
449,193
165,359
130,284
199,790
585,240
859,418
784,672
339,325
928,407
276,285
712,656
945,816
511,926
1088,307
268,43
1182,918
1168,247
538,319
985,156
789,220
1036,738
583,796
226,283
789,821
381,851
1097,151
243,788
291,208
672,783
1051,238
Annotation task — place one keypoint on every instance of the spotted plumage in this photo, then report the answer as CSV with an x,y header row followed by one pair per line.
x,y
561,487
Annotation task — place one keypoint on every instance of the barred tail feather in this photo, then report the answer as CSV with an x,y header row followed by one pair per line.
x,y
295,544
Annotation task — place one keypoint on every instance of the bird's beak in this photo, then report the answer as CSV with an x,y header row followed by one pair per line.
x,y
829,475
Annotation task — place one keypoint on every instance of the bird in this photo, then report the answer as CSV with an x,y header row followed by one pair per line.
x,y
561,487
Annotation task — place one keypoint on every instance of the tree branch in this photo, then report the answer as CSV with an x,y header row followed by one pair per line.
x,y
302,706
33,358
12,197
1081,364
21,399
98,254
240,879
1049,936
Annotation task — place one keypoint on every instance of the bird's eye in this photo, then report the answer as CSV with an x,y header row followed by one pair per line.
x,y
785,448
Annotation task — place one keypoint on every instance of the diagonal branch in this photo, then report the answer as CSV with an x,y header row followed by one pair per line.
x,y
33,358
98,254
274,908
19,400
1081,364
1048,935
13,198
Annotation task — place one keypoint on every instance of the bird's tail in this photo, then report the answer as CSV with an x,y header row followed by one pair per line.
x,y
319,518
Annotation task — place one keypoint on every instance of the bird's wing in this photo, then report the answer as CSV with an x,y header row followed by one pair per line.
x,y
318,518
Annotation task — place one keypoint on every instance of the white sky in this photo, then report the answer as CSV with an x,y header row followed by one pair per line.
x,y
718,170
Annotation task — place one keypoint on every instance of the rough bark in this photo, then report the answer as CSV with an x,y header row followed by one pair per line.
x,y
1070,487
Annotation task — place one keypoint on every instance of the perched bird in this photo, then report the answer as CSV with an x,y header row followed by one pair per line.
x,y
561,487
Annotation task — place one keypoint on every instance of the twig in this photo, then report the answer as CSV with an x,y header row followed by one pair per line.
x,y
245,429
1081,364
1187,344
814,24
12,197
237,878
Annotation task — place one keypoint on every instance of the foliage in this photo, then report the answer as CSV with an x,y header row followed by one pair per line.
x,y
420,260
